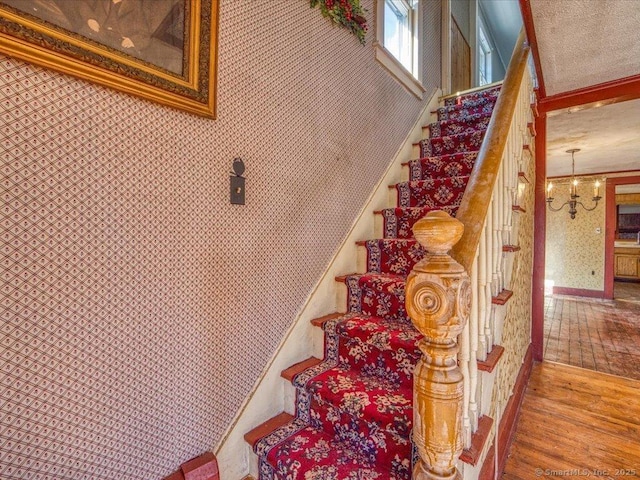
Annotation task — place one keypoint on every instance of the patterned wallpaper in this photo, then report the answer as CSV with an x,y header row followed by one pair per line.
x,y
138,306
574,248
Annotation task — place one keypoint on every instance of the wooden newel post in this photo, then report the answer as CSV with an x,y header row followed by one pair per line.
x,y
438,300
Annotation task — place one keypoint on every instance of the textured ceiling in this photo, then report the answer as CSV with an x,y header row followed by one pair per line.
x,y
586,42
582,43
607,136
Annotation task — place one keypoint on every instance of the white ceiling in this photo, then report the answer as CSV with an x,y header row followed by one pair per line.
x,y
608,136
582,43
586,42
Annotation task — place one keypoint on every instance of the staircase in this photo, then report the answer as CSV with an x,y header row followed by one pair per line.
x,y
354,407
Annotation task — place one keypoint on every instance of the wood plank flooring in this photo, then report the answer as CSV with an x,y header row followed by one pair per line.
x,y
575,423
596,334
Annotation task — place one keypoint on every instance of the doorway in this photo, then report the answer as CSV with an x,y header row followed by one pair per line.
x,y
626,246
602,334
622,251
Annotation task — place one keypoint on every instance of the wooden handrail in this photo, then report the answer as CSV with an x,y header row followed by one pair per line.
x,y
477,197
470,90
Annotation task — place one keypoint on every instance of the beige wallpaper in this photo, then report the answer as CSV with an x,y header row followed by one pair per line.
x,y
138,305
575,249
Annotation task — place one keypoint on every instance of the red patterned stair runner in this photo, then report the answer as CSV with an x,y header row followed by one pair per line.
x,y
354,408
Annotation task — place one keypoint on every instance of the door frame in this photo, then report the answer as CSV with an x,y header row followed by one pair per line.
x,y
610,229
445,44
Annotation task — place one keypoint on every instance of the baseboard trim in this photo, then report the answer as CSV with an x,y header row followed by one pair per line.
x,y
507,426
578,292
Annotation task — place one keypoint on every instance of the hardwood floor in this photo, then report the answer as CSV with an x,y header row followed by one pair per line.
x,y
626,291
576,423
596,334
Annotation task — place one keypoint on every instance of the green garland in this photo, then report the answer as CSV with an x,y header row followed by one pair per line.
x,y
347,13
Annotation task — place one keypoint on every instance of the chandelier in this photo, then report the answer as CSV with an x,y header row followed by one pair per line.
x,y
573,191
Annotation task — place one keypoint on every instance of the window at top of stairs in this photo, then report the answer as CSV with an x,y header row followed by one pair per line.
x,y
399,41
484,56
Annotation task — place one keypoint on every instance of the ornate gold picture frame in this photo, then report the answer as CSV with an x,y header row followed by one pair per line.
x,y
160,50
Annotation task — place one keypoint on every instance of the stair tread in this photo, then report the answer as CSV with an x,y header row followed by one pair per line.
x,y
465,109
468,119
320,321
468,104
385,276
372,275
382,333
479,438
293,370
379,396
433,182
492,360
502,298
353,464
489,92
267,428
400,210
468,123
386,240
451,138
450,157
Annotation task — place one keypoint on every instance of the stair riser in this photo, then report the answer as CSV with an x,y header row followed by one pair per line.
x,y
490,94
443,167
378,225
397,258
399,224
435,195
377,299
353,353
463,111
416,149
462,125
468,142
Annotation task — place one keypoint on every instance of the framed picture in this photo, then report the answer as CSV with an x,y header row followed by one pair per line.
x,y
161,50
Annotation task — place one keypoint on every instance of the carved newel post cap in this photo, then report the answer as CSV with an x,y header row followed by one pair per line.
x,y
438,232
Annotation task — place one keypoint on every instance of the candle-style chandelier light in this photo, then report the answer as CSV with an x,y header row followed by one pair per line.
x,y
573,191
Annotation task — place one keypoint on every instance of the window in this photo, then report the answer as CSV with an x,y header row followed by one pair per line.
x,y
398,41
484,57
399,19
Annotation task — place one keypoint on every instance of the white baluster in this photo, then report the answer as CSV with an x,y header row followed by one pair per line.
x,y
463,361
491,282
482,300
498,226
473,347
